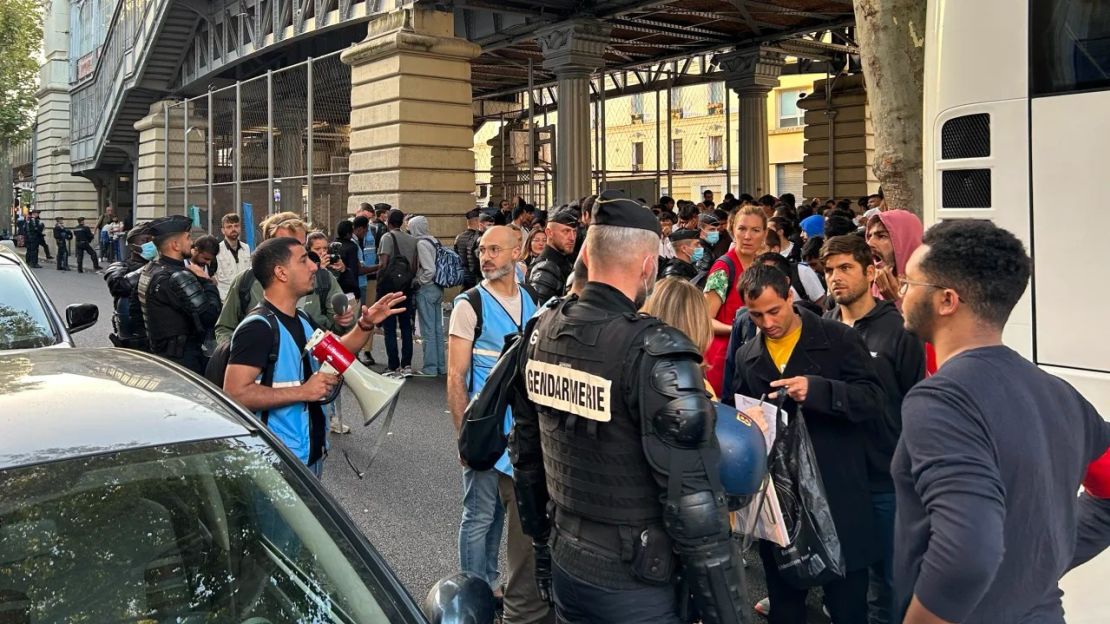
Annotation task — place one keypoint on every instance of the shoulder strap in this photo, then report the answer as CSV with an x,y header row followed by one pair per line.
x,y
796,282
474,297
730,268
245,284
271,359
323,285
526,287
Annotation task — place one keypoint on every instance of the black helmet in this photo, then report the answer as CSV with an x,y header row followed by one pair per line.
x,y
462,598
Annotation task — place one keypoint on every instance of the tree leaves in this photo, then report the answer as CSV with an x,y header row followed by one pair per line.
x,y
20,45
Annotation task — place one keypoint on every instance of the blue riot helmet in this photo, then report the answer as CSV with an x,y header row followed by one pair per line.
x,y
743,452
461,598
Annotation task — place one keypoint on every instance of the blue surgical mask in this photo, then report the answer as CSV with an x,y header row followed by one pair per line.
x,y
148,250
712,237
699,253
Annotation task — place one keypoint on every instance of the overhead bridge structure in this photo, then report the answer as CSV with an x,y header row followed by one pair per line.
x,y
167,105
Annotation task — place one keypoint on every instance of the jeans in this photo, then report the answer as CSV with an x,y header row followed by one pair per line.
x,y
389,327
429,308
579,602
880,591
483,518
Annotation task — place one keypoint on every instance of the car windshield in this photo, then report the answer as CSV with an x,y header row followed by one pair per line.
x,y
23,321
212,531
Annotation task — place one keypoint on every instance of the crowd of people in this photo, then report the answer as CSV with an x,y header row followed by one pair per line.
x,y
947,464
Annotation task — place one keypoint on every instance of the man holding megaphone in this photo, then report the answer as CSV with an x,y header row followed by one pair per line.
x,y
268,371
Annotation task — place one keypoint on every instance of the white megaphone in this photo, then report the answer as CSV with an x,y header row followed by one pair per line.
x,y
376,394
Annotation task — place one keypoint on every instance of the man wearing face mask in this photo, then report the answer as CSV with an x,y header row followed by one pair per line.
x,y
129,327
616,411
687,253
708,225
180,302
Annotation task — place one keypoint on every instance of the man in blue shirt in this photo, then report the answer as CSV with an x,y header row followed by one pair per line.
x,y
474,348
993,449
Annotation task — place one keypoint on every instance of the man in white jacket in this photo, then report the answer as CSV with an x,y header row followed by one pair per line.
x,y
234,256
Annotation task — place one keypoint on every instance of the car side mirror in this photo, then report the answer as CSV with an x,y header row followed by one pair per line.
x,y
461,598
81,316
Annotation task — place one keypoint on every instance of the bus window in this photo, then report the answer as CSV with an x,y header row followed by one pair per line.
x,y
1070,46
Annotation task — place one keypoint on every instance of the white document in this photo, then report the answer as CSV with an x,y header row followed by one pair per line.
x,y
762,518
769,416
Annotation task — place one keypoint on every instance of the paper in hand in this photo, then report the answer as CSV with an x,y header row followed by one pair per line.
x,y
770,414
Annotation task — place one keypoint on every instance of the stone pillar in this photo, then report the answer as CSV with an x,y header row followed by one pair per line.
x,y
752,74
412,137
151,169
839,140
58,193
574,51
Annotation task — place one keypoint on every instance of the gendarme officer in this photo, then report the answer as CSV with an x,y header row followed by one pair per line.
x,y
548,276
687,252
123,284
180,303
621,440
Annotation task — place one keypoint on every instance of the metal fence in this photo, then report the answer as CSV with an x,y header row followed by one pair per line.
x,y
678,141
278,142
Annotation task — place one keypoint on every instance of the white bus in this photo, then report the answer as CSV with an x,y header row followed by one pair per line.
x,y
1017,130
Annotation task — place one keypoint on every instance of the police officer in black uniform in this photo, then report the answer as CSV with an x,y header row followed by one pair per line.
x,y
35,231
62,236
123,284
682,264
180,303
83,235
619,437
548,276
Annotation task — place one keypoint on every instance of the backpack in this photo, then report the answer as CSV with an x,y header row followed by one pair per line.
x,y
449,267
398,273
482,438
217,364
321,287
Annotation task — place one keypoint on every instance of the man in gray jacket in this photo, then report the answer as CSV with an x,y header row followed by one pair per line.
x,y
429,299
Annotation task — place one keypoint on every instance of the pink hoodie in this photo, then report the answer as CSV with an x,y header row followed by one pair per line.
x,y
905,234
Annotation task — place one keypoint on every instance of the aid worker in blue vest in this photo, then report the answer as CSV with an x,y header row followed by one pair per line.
x,y
621,443
285,394
481,318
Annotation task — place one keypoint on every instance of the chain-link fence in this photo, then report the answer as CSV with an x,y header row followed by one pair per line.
x,y
277,142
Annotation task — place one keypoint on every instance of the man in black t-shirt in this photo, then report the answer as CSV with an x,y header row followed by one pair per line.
x,y
288,403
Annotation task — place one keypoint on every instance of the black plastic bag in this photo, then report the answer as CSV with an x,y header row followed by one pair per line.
x,y
813,557
482,437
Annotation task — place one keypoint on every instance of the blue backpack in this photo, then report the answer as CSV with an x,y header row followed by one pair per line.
x,y
449,267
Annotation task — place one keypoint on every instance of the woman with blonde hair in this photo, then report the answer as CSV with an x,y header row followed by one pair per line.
x,y
748,227
680,304
533,246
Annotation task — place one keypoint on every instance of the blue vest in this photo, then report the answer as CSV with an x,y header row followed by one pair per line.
x,y
496,324
290,422
369,256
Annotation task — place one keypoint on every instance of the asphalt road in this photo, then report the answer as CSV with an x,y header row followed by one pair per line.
x,y
408,504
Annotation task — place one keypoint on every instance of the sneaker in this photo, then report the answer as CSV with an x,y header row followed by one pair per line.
x,y
421,373
337,426
763,607
406,372
392,374
367,359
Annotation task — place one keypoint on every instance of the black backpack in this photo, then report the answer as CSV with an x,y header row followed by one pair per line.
x,y
398,273
482,438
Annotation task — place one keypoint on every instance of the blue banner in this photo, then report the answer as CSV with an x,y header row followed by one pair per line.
x,y
248,223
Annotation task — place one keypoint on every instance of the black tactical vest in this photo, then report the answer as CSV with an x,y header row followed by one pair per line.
x,y
162,320
578,374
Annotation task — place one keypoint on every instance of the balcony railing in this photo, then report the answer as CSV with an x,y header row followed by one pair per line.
x,y
95,100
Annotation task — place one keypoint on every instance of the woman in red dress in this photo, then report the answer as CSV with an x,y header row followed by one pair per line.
x,y
748,227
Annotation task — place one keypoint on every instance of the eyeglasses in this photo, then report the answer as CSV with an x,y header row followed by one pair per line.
x,y
904,286
492,252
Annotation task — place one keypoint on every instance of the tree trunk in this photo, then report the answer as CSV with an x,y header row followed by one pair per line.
x,y
891,36
6,199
